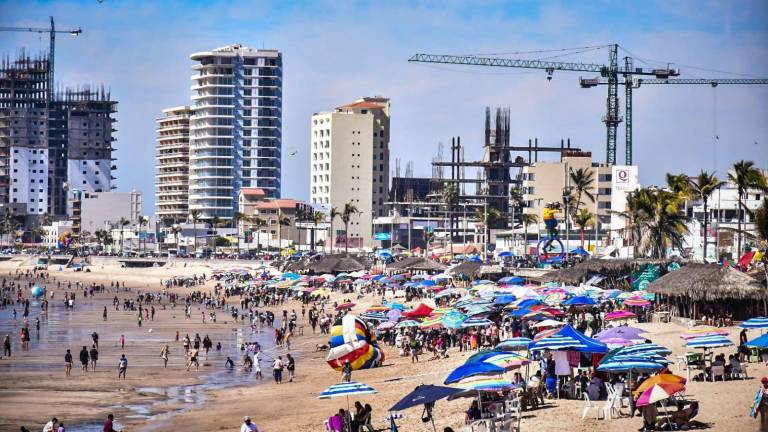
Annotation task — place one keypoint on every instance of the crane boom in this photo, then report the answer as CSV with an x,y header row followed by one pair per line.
x,y
714,82
504,62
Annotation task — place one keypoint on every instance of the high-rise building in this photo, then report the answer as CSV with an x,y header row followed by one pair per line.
x,y
235,128
50,147
350,164
172,161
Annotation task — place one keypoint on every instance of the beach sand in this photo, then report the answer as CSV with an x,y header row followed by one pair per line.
x,y
33,387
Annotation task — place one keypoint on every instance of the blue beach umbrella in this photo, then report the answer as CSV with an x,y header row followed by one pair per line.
x,y
755,323
556,343
580,301
709,342
472,369
346,389
759,342
512,344
453,319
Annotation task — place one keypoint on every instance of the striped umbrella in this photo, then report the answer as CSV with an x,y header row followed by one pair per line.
x,y
619,315
755,323
630,364
374,316
659,392
407,323
512,344
484,383
432,322
709,342
346,389
644,348
476,322
556,343
662,378
703,331
453,319
636,302
507,360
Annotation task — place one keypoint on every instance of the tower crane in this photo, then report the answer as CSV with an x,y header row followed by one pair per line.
x,y
51,51
610,75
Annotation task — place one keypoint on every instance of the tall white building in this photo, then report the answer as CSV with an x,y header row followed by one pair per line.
x,y
235,128
350,164
172,161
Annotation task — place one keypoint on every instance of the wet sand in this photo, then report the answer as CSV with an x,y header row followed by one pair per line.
x,y
33,387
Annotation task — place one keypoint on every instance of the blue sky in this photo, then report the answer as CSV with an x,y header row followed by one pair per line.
x,y
335,52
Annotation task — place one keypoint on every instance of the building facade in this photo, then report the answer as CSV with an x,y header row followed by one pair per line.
x,y
350,164
50,146
235,127
172,162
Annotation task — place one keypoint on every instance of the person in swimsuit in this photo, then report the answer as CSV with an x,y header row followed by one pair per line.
x,y
164,355
193,360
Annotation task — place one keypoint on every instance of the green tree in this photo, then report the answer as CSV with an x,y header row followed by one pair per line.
x,y
318,217
282,220
300,216
702,187
584,219
236,219
761,228
195,215
258,223
143,221
679,184
582,182
123,223
528,219
450,197
333,215
215,225
346,217
659,223
746,177
176,230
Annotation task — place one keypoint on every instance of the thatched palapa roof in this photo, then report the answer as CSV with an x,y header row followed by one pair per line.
x,y
708,282
469,268
337,264
613,268
417,264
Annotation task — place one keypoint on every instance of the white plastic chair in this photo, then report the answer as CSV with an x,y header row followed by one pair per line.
x,y
590,406
718,371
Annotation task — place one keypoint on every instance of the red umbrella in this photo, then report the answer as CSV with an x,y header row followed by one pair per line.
x,y
345,306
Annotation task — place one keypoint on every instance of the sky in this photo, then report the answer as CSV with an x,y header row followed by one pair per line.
x,y
335,52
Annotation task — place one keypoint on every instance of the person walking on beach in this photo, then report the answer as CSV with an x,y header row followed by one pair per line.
x,y
164,355
104,314
109,424
122,368
122,342
186,344
84,359
51,425
291,366
94,355
193,360
257,365
248,425
277,369
95,337
7,345
67,363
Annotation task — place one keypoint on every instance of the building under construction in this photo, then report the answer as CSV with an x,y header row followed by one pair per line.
x,y
51,142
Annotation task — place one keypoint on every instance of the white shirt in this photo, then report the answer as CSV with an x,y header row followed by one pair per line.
x,y
48,427
249,428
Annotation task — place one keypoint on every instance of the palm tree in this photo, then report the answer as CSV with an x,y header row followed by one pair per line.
x,y
487,217
143,220
346,216
761,222
236,219
659,223
176,229
450,196
333,215
300,216
318,217
584,219
528,219
702,187
745,176
582,181
259,223
123,223
282,221
195,215
215,224
679,184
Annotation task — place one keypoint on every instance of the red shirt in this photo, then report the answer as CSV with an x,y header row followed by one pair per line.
x,y
108,426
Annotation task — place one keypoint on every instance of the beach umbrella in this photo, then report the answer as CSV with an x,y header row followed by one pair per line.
x,y
374,316
548,323
579,251
660,378
759,342
377,308
471,369
637,302
511,280
644,349
427,283
345,306
346,389
394,314
580,301
624,332
507,360
506,254
512,344
630,363
432,322
476,322
619,315
407,324
398,306
703,331
755,323
423,394
453,319
556,343
504,299
290,275
709,342
484,383
386,325
659,392
616,342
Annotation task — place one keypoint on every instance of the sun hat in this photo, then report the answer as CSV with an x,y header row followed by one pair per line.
x,y
249,417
